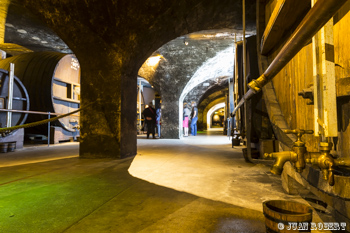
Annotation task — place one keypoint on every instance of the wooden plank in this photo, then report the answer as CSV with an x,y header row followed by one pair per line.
x,y
66,99
66,81
285,16
325,107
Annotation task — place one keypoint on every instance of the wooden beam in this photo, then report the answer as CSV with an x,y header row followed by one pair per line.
x,y
286,15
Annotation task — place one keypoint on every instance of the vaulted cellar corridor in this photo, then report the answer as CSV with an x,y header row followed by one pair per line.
x,y
264,83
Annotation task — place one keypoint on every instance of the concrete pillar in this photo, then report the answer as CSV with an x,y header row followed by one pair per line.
x,y
108,79
108,127
170,116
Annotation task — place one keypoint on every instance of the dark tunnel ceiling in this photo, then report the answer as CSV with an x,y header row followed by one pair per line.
x,y
25,29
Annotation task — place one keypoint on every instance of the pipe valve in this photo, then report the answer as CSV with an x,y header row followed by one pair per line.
x,y
299,133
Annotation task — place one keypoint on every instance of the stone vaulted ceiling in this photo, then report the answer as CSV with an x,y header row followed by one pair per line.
x,y
114,38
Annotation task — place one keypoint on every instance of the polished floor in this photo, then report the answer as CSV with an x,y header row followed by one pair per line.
x,y
196,184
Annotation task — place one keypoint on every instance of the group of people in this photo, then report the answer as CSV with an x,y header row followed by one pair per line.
x,y
152,119
190,115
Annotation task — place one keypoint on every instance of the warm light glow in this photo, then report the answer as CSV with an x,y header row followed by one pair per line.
x,y
213,110
186,43
216,118
152,61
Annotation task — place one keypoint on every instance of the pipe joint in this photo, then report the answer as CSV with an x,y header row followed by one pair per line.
x,y
257,84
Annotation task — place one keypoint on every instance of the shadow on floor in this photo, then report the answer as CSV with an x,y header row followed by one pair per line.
x,y
81,195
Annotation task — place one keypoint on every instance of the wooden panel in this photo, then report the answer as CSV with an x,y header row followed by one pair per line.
x,y
341,32
68,69
59,89
324,82
285,15
270,5
296,76
4,4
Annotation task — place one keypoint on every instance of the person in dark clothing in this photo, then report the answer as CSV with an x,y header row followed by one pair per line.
x,y
158,121
194,118
150,119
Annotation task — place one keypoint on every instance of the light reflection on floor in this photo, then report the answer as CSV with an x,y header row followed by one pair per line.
x,y
207,166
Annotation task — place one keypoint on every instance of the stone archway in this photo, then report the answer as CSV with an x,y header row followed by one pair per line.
x,y
212,110
219,66
112,39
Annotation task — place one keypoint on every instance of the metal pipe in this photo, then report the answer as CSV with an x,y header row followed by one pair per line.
x,y
247,96
246,127
244,51
48,130
10,95
318,16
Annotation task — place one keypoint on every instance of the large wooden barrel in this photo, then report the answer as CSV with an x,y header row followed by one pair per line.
x,y
20,100
52,80
287,216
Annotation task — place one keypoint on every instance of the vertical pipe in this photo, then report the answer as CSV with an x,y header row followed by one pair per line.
x,y
48,130
228,108
140,106
244,51
237,116
246,128
10,95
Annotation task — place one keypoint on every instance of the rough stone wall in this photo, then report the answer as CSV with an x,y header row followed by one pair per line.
x,y
200,92
25,29
177,66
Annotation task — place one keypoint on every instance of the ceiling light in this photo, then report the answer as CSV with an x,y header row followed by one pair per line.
x,y
152,61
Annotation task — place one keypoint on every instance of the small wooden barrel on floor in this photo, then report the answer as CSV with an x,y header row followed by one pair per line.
x,y
287,216
11,147
3,147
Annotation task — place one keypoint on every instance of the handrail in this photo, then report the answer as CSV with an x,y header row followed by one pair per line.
x,y
32,112
9,129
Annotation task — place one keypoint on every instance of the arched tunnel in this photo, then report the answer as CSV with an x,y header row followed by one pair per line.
x,y
265,82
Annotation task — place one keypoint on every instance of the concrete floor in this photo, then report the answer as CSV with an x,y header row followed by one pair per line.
x,y
197,184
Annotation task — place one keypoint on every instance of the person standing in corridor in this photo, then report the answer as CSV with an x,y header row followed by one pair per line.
x,y
150,119
158,121
194,118
187,114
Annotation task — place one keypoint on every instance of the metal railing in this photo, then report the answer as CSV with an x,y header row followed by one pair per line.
x,y
46,121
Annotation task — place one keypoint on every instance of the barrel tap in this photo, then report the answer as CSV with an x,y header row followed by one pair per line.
x,y
324,160
296,155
